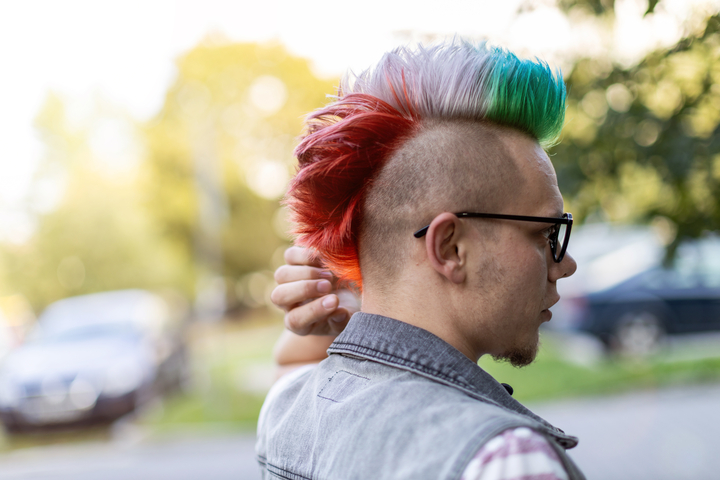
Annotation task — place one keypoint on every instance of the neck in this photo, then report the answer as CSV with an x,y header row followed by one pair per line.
x,y
413,304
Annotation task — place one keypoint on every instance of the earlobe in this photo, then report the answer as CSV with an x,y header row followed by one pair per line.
x,y
444,252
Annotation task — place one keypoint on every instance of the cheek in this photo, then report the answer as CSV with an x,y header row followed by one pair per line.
x,y
516,269
490,270
532,278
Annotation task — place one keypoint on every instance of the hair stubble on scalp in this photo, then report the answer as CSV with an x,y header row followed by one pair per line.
x,y
392,116
439,169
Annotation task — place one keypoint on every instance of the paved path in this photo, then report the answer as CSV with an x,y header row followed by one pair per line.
x,y
190,458
665,434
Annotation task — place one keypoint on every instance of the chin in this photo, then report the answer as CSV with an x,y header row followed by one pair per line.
x,y
520,356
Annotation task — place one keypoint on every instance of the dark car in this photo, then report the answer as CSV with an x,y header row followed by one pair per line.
x,y
635,315
92,357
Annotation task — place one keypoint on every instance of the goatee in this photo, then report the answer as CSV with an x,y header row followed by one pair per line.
x,y
519,356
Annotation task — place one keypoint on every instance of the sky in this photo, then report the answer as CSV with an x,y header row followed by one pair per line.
x,y
124,51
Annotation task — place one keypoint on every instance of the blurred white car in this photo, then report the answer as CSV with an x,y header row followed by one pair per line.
x,y
91,357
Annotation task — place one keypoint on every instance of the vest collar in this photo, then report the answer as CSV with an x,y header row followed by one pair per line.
x,y
404,346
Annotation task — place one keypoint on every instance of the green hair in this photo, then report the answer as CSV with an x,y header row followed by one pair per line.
x,y
526,95
460,80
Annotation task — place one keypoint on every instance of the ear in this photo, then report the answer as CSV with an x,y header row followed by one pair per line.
x,y
444,251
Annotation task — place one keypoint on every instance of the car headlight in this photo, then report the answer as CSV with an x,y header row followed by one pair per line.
x,y
83,393
122,377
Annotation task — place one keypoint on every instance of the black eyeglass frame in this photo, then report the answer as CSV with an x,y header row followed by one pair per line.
x,y
566,219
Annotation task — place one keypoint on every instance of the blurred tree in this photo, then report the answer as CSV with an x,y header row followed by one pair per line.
x,y
220,153
600,7
642,143
92,233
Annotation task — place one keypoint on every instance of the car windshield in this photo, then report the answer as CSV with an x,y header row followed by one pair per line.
x,y
119,314
83,332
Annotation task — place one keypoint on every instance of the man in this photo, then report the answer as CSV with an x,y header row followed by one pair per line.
x,y
425,187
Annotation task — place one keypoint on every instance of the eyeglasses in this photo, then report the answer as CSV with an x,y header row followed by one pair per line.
x,y
558,238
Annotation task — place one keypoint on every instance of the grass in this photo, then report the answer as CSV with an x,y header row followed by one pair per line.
x,y
552,376
232,371
233,368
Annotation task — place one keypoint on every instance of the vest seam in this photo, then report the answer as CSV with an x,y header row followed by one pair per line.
x,y
279,471
402,364
436,376
431,375
330,380
406,363
568,464
476,443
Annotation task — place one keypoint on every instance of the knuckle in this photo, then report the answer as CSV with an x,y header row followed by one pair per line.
x,y
310,288
318,312
294,324
312,273
291,320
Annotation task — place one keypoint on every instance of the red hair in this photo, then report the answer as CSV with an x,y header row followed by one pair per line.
x,y
346,145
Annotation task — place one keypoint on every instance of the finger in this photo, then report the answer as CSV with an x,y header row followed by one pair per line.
x,y
338,320
312,317
292,273
302,256
288,295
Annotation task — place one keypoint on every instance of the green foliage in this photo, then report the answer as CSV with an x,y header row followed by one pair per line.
x,y
95,236
97,240
601,7
598,7
551,376
224,352
220,152
198,194
642,142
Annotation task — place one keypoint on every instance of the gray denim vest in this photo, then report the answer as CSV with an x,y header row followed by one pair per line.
x,y
392,401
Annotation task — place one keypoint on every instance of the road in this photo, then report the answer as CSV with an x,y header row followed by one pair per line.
x,y
664,434
192,457
658,435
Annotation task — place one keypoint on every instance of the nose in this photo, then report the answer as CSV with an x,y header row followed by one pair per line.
x,y
565,268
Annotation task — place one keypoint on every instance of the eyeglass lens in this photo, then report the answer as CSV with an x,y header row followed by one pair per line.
x,y
561,238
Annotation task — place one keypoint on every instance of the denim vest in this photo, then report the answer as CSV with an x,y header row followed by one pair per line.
x,y
392,401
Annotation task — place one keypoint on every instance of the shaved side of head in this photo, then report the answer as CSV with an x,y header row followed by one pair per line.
x,y
415,110
441,168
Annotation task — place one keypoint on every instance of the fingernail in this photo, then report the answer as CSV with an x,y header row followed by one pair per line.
x,y
329,303
326,274
324,286
338,318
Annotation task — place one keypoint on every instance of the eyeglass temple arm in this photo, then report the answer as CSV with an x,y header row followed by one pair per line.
x,y
567,221
421,232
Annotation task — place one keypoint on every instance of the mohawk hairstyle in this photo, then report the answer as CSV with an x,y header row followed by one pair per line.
x,y
347,142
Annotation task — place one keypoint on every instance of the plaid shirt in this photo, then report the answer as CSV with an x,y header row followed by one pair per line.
x,y
516,454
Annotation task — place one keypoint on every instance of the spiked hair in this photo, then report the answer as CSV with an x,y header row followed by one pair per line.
x,y
347,142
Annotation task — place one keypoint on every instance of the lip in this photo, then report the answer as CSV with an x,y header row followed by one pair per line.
x,y
546,315
553,303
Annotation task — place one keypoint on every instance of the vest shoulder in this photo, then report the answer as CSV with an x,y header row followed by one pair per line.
x,y
406,425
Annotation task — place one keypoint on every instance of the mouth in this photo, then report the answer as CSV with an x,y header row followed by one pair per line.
x,y
547,314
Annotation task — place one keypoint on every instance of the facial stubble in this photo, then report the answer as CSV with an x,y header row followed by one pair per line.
x,y
520,355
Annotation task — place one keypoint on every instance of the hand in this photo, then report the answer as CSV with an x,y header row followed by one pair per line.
x,y
306,291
